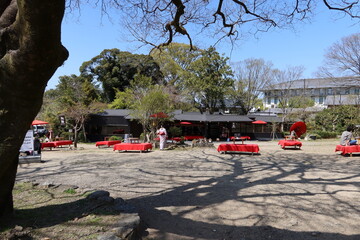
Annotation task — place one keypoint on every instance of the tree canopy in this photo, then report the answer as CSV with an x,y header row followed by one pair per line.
x,y
115,69
174,60
337,119
208,79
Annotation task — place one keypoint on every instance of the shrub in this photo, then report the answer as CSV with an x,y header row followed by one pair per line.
x,y
325,134
113,138
314,136
175,131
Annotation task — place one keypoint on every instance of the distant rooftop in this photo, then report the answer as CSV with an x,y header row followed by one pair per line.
x,y
317,83
198,117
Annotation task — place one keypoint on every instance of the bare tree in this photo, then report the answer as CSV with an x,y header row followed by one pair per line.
x,y
251,76
160,22
283,84
31,49
343,58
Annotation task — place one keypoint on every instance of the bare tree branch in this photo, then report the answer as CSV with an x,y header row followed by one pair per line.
x,y
347,8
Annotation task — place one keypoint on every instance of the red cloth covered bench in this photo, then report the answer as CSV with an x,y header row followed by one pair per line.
x,y
107,143
289,143
223,148
48,145
56,144
190,138
176,139
240,138
132,147
348,149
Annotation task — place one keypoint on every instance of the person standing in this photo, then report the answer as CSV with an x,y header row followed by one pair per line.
x,y
161,132
293,135
345,139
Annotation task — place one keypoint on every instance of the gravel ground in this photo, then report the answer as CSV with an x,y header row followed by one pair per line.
x,y
198,193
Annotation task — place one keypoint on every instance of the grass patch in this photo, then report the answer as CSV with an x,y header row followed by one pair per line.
x,y
56,213
70,191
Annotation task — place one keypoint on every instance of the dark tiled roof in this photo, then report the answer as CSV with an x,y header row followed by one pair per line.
x,y
115,112
268,119
198,117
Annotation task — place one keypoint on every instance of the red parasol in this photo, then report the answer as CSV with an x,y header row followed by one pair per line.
x,y
38,122
159,115
185,123
299,128
259,122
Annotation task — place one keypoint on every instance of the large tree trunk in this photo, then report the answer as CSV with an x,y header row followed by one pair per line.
x,y
30,53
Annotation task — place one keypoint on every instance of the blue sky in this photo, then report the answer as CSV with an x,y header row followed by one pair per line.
x,y
86,34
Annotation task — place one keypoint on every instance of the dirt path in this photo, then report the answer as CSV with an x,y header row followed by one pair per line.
x,y
311,193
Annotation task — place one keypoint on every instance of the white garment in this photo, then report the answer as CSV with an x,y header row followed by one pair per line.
x,y
162,136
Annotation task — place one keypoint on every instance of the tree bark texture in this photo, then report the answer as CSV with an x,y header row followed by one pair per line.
x,y
30,53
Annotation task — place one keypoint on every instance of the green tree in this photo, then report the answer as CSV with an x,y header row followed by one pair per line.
x,y
174,60
146,109
76,99
145,99
301,102
115,69
121,100
208,79
337,119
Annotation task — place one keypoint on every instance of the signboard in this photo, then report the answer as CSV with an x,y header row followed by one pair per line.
x,y
28,143
62,120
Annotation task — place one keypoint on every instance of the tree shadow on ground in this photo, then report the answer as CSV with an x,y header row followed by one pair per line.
x,y
295,180
301,187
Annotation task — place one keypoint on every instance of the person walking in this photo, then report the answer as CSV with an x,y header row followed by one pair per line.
x,y
345,139
161,132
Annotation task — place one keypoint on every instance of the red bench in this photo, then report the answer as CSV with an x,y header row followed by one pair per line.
x,y
253,148
289,143
107,143
190,138
132,147
176,139
240,138
56,144
348,149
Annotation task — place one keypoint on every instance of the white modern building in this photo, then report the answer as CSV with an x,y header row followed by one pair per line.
x,y
324,92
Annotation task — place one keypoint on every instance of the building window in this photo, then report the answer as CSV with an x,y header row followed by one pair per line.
x,y
347,91
321,100
268,100
329,91
276,100
356,90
